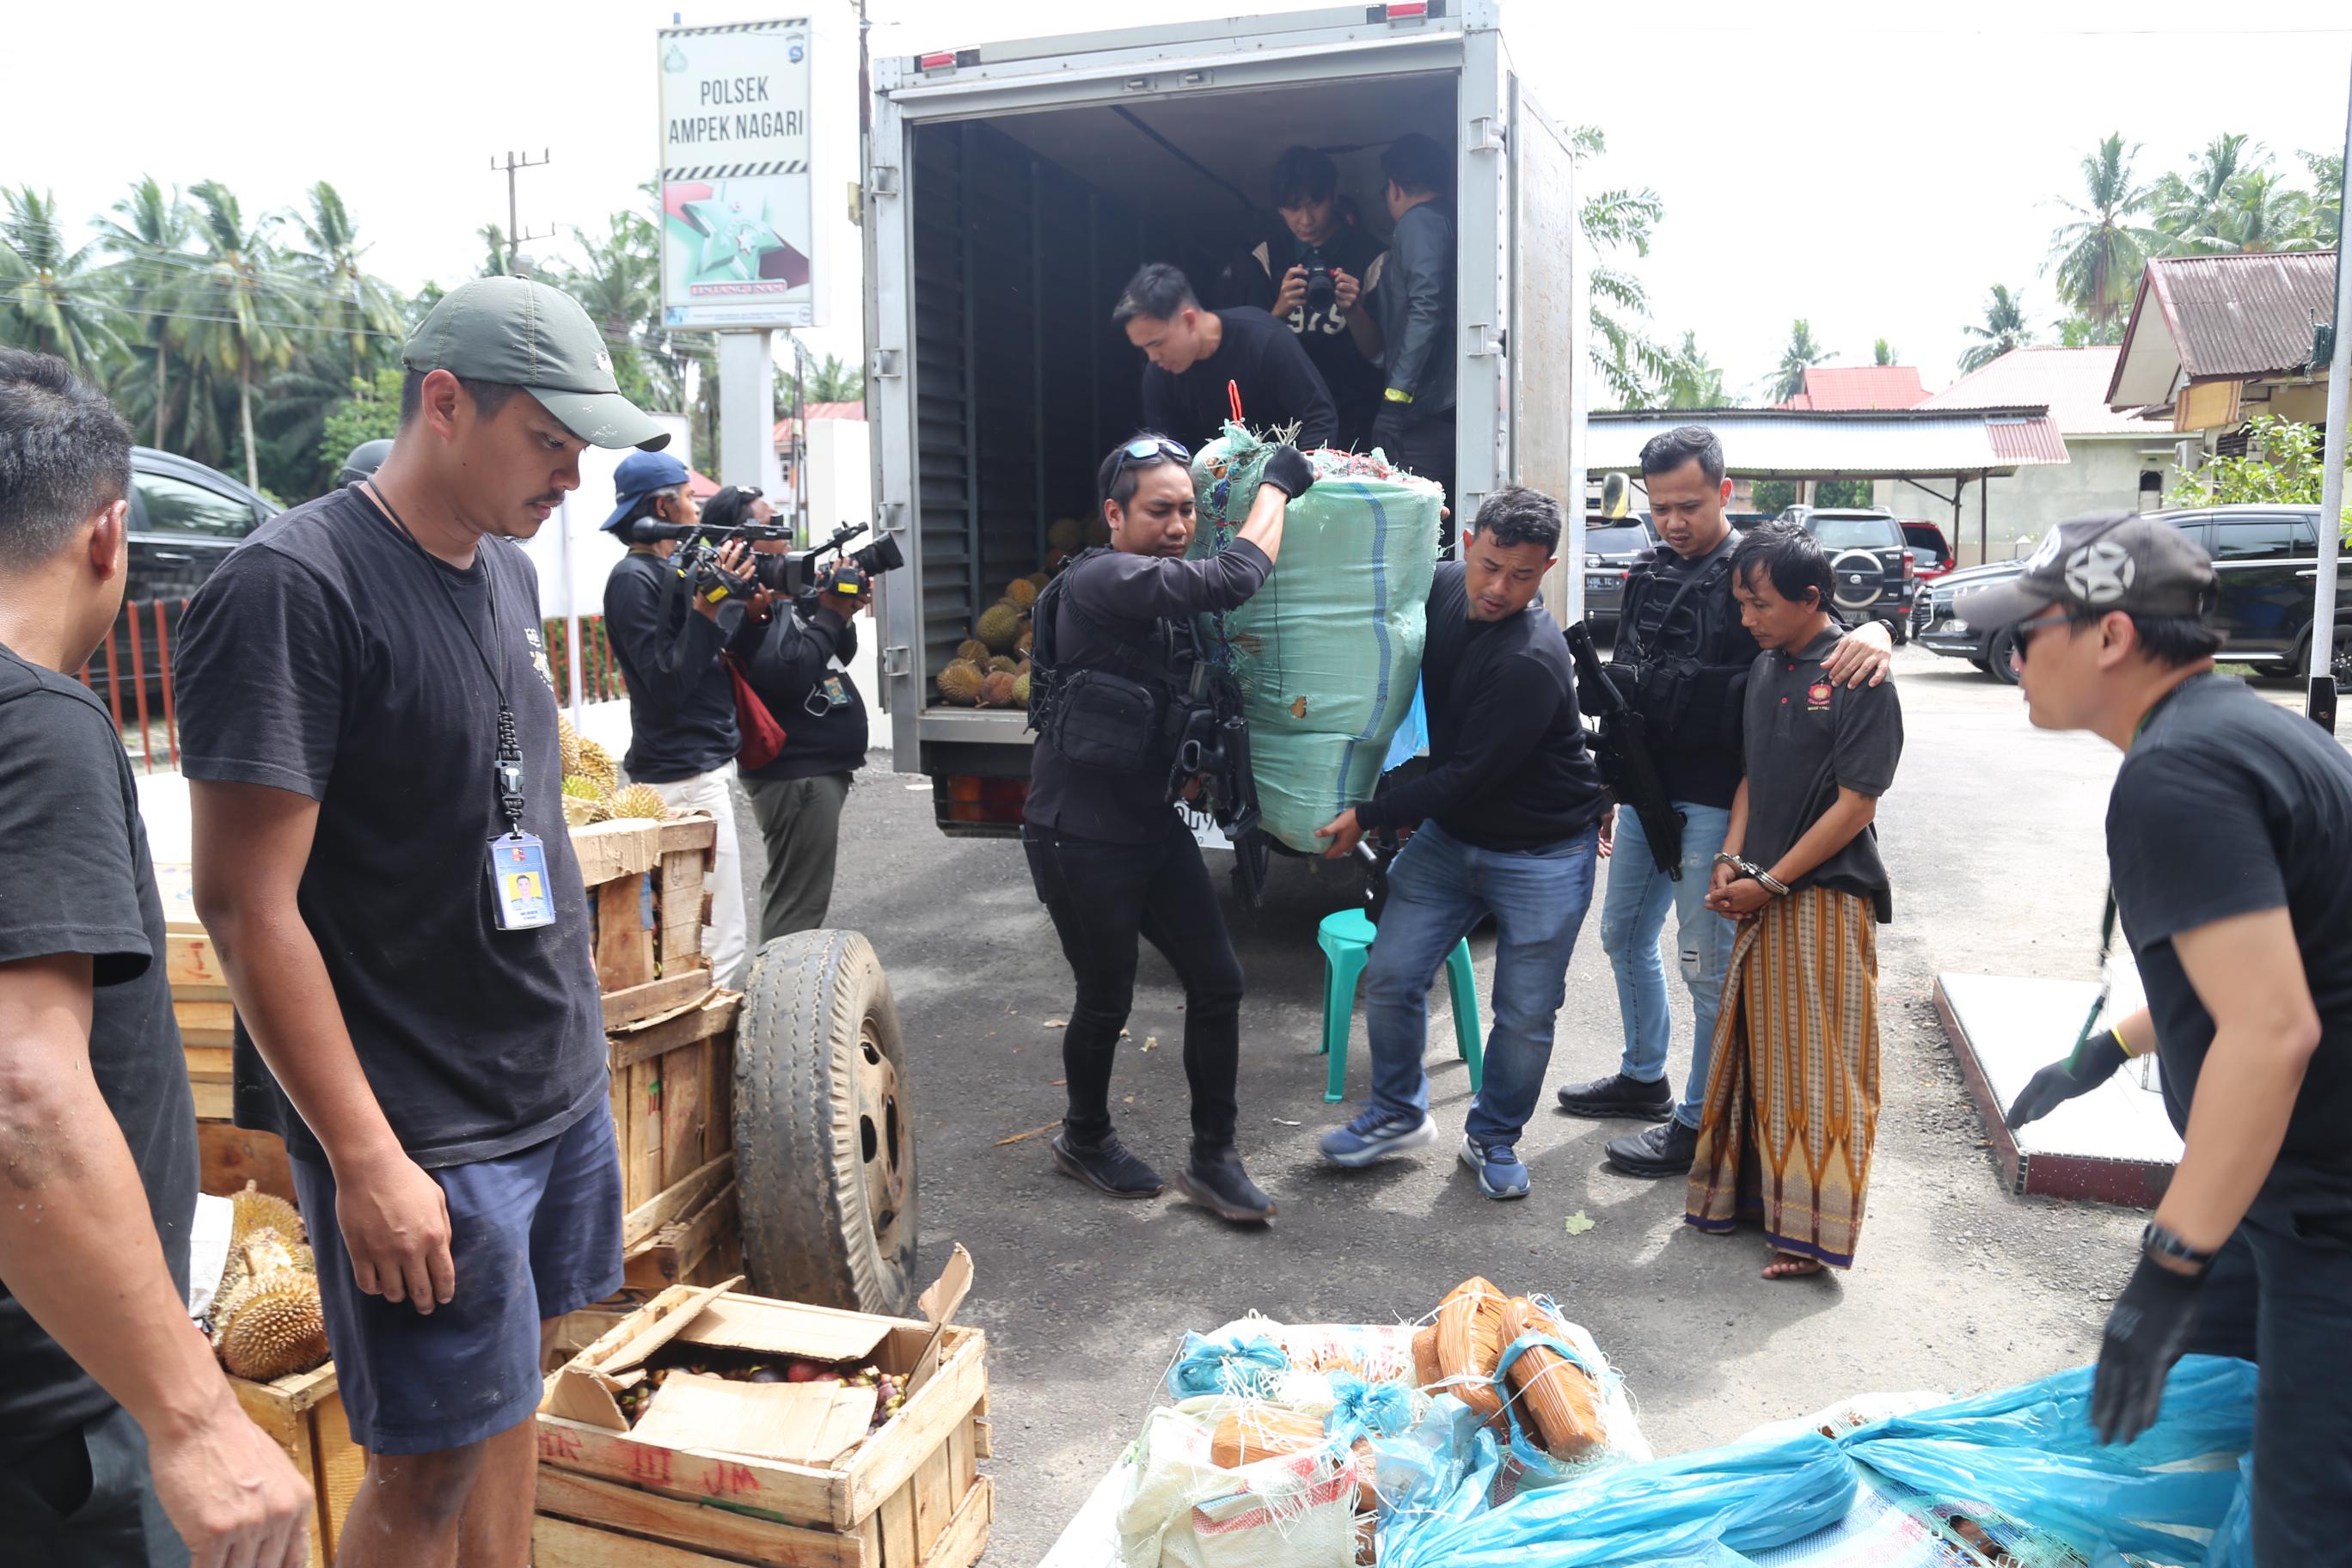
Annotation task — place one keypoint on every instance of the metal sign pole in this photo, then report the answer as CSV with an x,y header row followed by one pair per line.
x,y
2321,703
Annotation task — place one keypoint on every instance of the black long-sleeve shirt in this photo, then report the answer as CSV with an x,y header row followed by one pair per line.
x,y
798,666
1415,297
1131,599
1261,356
681,720
1510,768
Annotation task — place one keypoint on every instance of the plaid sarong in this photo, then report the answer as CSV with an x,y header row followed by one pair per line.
x,y
1792,1104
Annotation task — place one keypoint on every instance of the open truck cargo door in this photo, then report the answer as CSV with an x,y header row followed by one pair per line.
x,y
1551,308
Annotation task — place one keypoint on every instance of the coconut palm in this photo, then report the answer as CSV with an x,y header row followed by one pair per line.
x,y
239,300
833,382
2187,209
339,293
2259,211
1691,380
1801,352
51,299
147,236
2003,329
2100,255
2326,198
1614,221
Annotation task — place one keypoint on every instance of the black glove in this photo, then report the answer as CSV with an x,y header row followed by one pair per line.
x,y
2145,1334
1387,430
1288,471
2062,1081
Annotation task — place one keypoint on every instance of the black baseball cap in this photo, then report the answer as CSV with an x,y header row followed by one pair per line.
x,y
523,333
2115,561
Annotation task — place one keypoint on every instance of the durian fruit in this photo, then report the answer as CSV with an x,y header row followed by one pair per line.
x,y
1067,535
1006,663
596,766
639,800
960,682
1025,641
996,690
1038,580
584,802
269,1324
1021,689
1098,531
257,1210
567,743
260,1253
1021,593
972,649
999,627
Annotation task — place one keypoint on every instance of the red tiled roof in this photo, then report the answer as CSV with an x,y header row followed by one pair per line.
x,y
784,431
2073,382
1832,389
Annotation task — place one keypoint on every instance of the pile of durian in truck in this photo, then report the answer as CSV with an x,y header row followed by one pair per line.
x,y
1012,190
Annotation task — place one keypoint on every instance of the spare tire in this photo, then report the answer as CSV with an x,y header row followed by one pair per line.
x,y
1857,579
825,1136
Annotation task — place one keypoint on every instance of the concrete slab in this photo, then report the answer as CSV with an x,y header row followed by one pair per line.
x,y
2115,1143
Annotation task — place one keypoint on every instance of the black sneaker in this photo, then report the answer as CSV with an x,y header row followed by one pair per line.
x,y
1218,1183
1664,1151
1618,1095
1106,1167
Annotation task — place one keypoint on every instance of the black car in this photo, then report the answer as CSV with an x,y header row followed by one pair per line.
x,y
2265,558
1611,547
1869,563
185,519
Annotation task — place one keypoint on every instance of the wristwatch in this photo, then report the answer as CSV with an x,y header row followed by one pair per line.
x,y
2159,1241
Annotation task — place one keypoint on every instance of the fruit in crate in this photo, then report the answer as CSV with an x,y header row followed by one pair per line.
x,y
1021,593
1021,687
999,627
596,766
960,682
639,800
996,689
973,650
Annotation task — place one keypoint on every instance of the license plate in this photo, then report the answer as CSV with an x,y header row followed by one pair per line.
x,y
1599,584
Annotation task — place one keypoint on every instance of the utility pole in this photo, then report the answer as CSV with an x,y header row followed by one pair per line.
x,y
2321,704
515,235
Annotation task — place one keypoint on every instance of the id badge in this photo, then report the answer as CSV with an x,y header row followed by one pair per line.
x,y
519,882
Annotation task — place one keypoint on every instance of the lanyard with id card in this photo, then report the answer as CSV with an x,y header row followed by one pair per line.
x,y
517,862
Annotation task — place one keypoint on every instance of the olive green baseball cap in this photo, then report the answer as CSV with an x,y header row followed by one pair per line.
x,y
523,333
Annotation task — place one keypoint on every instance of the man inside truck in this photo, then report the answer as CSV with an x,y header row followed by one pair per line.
x,y
1310,273
1412,310
1197,355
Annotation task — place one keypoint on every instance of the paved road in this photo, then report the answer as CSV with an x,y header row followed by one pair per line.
x,y
1993,835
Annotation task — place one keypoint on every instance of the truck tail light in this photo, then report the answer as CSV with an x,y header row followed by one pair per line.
x,y
974,797
1407,10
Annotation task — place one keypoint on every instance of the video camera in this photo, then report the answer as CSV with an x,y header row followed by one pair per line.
x,y
794,573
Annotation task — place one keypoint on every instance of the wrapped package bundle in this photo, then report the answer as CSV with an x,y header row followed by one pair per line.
x,y
1327,655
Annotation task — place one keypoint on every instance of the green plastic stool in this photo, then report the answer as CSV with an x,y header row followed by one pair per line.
x,y
1345,939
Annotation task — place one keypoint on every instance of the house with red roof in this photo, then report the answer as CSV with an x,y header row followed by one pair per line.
x,y
1842,389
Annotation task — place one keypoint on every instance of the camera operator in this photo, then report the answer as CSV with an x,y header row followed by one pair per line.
x,y
1196,354
1111,859
798,664
1310,274
671,642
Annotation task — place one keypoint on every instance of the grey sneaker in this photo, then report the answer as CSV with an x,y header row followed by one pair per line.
x,y
1666,1150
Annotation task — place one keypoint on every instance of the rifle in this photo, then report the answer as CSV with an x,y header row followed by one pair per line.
x,y
1623,750
1214,742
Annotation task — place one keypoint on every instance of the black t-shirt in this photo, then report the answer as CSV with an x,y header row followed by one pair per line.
x,y
1510,768
75,878
325,659
1807,737
1278,383
681,720
2229,806
1355,381
1699,761
799,665
1131,600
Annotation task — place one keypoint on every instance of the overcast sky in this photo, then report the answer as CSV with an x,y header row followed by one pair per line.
x,y
1874,175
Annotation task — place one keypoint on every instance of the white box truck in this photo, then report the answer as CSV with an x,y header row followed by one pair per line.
x,y
1012,189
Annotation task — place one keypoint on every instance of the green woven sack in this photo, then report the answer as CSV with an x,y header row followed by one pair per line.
x,y
1328,652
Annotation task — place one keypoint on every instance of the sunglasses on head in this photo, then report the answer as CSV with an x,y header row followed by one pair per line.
x,y
1151,448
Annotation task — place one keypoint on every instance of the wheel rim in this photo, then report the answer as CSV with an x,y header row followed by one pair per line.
x,y
886,1159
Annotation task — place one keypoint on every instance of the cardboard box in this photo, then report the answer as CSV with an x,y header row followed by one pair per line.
x,y
745,1473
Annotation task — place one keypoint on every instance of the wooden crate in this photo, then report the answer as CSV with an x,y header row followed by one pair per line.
x,y
303,1414
673,1088
910,1496
647,904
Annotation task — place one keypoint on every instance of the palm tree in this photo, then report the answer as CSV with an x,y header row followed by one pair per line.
x,y
50,296
1690,381
1613,221
1800,354
341,294
620,288
239,298
2003,329
835,382
148,238
2326,198
2259,212
2187,210
2101,254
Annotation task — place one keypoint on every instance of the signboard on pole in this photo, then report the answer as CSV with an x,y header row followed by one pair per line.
x,y
737,247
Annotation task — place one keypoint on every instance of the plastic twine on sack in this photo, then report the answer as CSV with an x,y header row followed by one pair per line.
x,y
1361,1410
1229,1365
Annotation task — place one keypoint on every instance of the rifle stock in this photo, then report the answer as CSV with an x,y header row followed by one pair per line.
x,y
1624,749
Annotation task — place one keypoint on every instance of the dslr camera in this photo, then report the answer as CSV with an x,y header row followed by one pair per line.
x,y
1322,292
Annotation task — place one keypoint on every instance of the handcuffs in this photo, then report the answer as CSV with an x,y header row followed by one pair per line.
x,y
1763,878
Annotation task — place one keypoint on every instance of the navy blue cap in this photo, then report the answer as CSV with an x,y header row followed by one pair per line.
x,y
639,475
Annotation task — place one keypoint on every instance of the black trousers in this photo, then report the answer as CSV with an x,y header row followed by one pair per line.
x,y
2279,1295
1427,449
1102,897
86,1499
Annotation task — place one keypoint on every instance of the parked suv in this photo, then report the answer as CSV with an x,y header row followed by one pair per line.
x,y
185,519
2265,559
1612,548
1869,563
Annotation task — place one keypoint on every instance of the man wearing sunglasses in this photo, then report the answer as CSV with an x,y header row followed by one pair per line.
x,y
1111,860
2229,831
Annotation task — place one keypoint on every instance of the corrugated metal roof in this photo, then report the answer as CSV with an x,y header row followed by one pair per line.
x,y
1770,443
1835,388
2072,382
2233,317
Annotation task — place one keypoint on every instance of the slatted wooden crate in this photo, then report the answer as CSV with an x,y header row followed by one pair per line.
x,y
910,1496
647,904
303,1414
673,1089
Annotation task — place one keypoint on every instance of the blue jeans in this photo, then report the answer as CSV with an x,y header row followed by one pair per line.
x,y
1439,888
1633,917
